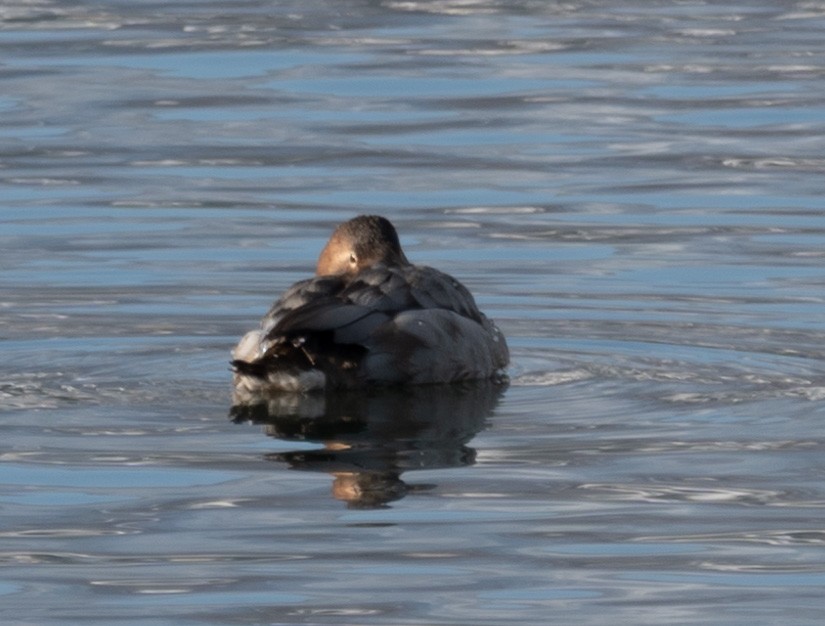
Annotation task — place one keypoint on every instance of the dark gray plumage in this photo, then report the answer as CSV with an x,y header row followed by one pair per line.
x,y
386,322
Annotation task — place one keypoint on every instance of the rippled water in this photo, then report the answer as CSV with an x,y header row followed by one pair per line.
x,y
634,191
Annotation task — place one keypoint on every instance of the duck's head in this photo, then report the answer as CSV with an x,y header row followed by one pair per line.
x,y
358,244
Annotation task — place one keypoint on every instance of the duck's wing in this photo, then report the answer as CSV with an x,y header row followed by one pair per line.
x,y
339,322
411,287
301,294
436,290
350,312
336,310
326,302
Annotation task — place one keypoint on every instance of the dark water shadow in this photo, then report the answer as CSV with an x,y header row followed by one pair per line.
x,y
372,437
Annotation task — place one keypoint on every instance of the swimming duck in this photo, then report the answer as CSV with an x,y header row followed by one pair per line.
x,y
369,317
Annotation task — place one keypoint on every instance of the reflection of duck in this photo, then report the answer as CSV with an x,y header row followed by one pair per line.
x,y
369,317
370,437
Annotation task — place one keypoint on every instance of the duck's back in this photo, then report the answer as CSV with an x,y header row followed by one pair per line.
x,y
387,325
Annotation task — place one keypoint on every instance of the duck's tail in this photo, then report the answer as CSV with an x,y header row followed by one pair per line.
x,y
255,369
274,374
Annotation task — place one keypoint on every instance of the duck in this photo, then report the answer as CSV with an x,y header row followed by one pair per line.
x,y
369,317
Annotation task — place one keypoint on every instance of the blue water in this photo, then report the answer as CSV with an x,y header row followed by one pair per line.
x,y
633,192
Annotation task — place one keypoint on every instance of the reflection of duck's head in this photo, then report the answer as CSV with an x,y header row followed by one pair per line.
x,y
369,318
359,244
367,490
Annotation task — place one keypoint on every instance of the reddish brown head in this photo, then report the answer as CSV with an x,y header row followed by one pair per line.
x,y
358,244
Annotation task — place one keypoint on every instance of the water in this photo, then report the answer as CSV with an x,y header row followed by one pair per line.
x,y
633,191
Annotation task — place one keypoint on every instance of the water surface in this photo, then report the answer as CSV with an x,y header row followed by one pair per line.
x,y
634,192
